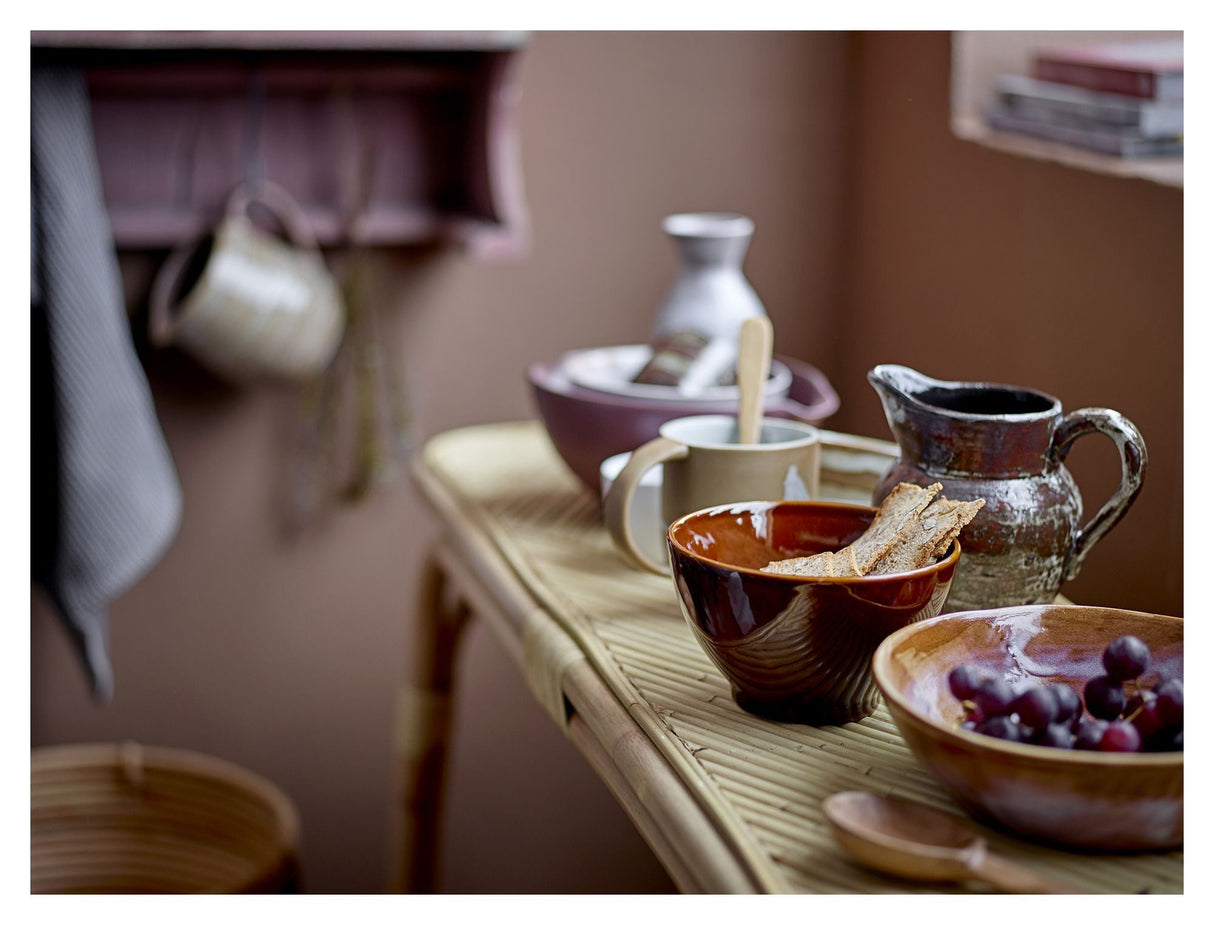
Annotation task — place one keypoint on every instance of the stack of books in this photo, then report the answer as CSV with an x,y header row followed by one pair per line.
x,y
1124,99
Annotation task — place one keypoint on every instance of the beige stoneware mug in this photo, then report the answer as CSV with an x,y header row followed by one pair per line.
x,y
704,465
247,304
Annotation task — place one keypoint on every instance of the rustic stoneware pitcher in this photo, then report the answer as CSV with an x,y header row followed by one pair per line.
x,y
1006,445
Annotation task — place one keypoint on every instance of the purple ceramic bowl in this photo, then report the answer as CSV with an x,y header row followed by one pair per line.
x,y
586,426
794,648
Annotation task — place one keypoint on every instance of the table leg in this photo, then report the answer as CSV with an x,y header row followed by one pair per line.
x,y
423,723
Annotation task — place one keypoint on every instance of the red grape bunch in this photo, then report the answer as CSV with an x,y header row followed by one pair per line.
x,y
1117,712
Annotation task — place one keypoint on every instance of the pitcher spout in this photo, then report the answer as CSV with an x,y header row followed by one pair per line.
x,y
900,383
900,387
945,427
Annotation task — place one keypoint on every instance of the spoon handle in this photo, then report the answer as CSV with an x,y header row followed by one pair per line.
x,y
1011,877
754,366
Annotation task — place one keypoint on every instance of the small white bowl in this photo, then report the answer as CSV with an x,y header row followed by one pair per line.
x,y
612,369
645,517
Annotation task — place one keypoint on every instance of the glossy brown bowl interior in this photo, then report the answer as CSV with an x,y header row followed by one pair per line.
x,y
1080,799
793,648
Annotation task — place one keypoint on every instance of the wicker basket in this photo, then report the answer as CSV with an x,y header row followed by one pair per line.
x,y
131,819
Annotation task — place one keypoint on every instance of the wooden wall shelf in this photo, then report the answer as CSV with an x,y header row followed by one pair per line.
x,y
978,60
412,133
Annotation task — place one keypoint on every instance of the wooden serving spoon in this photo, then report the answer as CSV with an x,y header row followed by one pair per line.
x,y
754,366
911,840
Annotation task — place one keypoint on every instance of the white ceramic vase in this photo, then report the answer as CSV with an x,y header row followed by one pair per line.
x,y
711,296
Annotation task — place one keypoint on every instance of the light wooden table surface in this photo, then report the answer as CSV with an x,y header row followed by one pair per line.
x,y
729,802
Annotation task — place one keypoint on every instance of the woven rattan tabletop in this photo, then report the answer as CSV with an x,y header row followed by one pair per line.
x,y
518,512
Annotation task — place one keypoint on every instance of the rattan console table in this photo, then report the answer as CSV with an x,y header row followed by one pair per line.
x,y
729,803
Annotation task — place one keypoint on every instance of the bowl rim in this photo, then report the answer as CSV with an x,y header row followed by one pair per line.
x,y
547,379
780,378
951,558
1019,751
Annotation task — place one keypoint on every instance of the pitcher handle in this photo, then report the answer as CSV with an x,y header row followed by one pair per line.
x,y
1133,453
617,504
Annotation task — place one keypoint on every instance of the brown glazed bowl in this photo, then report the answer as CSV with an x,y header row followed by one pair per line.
x,y
1078,799
793,648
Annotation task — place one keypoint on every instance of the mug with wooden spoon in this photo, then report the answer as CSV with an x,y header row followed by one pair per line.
x,y
718,458
754,366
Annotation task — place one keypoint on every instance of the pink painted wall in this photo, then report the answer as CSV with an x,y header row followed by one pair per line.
x,y
988,266
285,656
880,238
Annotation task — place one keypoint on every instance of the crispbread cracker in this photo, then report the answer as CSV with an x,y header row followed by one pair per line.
x,y
900,507
965,512
819,565
851,568
928,536
913,528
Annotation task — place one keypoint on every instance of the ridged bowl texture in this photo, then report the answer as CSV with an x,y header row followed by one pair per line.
x,y
794,648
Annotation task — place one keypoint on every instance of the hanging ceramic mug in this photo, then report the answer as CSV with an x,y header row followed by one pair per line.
x,y
247,304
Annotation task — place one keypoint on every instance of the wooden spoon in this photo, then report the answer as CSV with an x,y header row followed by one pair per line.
x,y
754,366
911,840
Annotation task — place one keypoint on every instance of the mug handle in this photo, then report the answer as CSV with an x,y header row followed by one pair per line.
x,y
282,206
618,502
1133,453
161,323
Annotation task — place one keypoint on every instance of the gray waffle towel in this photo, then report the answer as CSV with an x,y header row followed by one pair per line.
x,y
106,500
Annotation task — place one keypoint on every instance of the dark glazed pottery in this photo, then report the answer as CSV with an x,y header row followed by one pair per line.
x,y
1006,445
793,648
586,426
1081,799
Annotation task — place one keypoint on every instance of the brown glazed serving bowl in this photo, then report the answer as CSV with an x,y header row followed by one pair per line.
x,y
1077,799
793,648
